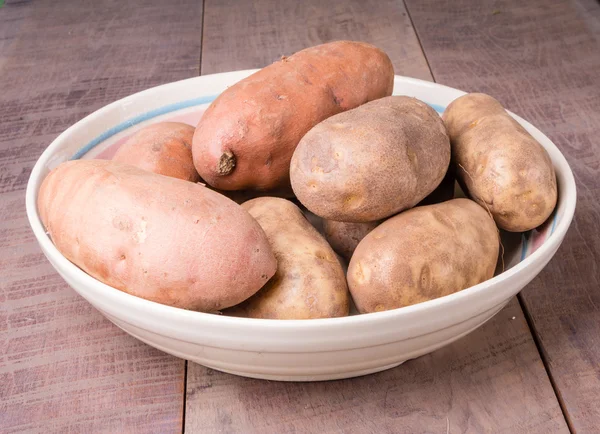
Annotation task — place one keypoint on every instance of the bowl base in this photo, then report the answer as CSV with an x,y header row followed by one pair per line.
x,y
305,378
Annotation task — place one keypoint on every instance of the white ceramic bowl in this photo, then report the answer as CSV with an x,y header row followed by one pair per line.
x,y
297,350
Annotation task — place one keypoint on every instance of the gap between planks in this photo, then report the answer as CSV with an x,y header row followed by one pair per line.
x,y
526,314
544,357
185,368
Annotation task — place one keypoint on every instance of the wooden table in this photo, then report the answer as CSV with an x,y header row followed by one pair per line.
x,y
535,368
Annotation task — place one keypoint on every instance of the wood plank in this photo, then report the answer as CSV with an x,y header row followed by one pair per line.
x,y
490,381
242,35
541,59
63,367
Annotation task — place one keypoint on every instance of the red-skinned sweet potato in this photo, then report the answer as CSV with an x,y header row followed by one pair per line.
x,y
160,238
164,148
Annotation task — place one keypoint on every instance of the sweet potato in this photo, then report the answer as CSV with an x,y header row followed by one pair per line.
x,y
163,239
164,148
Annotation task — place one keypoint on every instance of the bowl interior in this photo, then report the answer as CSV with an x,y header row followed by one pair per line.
x,y
100,134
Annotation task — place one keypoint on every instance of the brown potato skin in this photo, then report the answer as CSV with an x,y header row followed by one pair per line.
x,y
160,238
343,237
246,137
309,282
499,164
164,148
423,253
372,162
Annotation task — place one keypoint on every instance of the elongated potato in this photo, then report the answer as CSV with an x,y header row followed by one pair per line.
x,y
164,148
309,282
371,162
423,253
499,164
248,134
163,239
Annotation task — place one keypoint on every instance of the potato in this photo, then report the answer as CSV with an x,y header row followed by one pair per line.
x,y
247,136
423,253
344,237
163,239
309,282
499,164
371,162
164,148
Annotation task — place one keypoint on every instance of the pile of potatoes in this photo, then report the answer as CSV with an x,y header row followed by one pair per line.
x,y
217,218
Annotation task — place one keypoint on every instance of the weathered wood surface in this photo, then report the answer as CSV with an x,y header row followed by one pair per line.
x,y
246,34
491,381
542,60
63,367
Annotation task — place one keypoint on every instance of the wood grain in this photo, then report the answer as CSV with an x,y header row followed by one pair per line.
x,y
541,59
245,34
491,381
63,367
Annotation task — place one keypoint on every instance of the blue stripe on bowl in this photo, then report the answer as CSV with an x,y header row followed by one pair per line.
x,y
141,118
438,108
158,112
525,238
553,224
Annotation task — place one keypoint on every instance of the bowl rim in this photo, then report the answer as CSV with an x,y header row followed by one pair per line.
x,y
569,197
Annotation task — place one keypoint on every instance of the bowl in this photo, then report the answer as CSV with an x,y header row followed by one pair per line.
x,y
292,350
